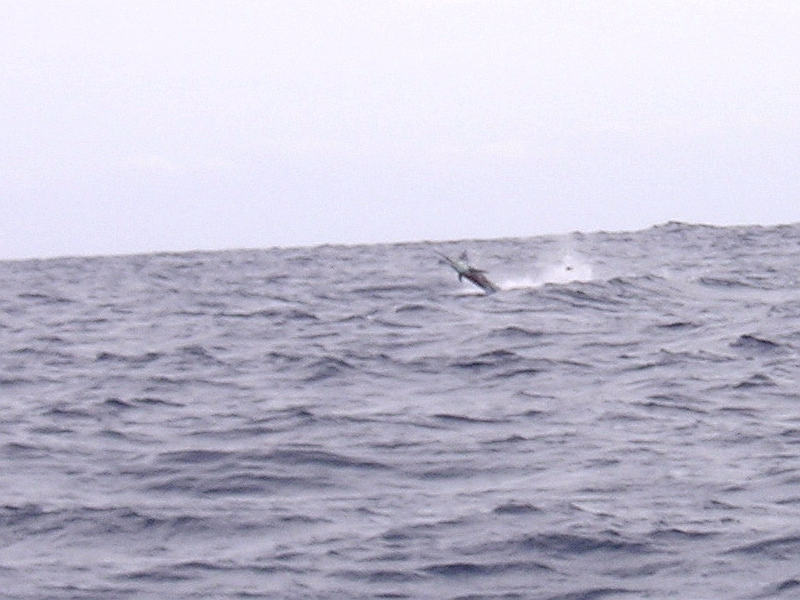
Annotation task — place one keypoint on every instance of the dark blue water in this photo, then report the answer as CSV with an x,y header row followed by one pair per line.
x,y
622,420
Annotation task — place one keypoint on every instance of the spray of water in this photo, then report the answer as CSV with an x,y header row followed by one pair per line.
x,y
563,265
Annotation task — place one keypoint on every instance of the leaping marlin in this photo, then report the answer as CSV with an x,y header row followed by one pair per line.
x,y
476,276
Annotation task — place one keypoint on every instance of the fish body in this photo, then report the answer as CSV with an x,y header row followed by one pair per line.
x,y
466,271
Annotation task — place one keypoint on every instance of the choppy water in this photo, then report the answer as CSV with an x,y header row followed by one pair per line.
x,y
351,422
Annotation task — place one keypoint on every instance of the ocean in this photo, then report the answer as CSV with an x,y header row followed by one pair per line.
x,y
620,421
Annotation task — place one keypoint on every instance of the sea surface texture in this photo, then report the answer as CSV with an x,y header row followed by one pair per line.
x,y
620,421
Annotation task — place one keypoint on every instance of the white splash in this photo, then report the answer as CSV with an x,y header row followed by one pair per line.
x,y
564,266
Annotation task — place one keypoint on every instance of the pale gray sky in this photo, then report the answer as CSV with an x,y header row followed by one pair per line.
x,y
144,126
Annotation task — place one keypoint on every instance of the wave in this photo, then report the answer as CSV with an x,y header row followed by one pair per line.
x,y
620,421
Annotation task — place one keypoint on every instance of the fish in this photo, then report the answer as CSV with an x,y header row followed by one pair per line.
x,y
466,271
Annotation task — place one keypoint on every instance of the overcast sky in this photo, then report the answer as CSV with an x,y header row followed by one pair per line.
x,y
144,126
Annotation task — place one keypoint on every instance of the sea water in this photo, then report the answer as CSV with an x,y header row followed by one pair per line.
x,y
621,420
